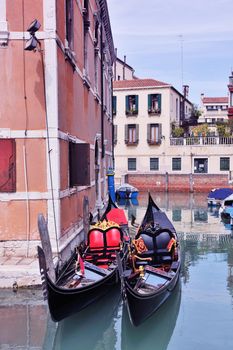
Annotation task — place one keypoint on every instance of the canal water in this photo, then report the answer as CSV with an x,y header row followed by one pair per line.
x,y
198,316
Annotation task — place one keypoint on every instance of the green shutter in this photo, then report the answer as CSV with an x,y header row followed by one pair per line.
x,y
149,102
160,102
136,102
126,104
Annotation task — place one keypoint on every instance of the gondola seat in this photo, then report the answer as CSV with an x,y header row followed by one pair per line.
x,y
102,245
157,246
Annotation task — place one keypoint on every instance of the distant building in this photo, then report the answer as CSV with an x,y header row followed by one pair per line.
x,y
213,109
55,120
230,101
148,156
145,112
122,71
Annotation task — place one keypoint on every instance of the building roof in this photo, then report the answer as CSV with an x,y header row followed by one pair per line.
x,y
215,100
138,83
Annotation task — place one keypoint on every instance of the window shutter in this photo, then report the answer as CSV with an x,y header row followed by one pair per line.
x,y
114,102
137,133
148,133
7,165
126,134
136,102
149,102
127,104
159,133
115,135
159,101
79,162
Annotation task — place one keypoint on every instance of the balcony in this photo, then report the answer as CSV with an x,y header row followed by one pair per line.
x,y
201,141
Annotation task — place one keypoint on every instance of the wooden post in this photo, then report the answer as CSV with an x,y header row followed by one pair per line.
x,y
86,223
46,245
166,181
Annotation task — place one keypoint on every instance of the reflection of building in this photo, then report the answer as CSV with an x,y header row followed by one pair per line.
x,y
55,134
23,320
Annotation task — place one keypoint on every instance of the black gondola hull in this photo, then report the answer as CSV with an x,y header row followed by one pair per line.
x,y
141,307
64,302
150,279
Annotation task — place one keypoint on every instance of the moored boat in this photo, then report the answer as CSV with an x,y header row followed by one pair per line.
x,y
126,191
226,209
90,273
153,266
217,196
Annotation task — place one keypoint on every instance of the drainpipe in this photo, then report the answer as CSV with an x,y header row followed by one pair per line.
x,y
113,153
102,86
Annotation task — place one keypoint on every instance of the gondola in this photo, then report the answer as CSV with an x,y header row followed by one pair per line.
x,y
92,270
153,265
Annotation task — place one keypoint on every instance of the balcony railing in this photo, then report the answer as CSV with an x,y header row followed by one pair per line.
x,y
201,141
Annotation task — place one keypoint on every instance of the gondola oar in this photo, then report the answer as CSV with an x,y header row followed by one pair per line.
x,y
121,274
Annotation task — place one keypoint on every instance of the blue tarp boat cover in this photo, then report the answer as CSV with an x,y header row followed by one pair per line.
x,y
220,193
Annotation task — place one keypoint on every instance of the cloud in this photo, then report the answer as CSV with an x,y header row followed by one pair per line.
x,y
149,34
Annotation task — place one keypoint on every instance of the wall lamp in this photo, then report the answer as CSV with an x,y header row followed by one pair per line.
x,y
32,42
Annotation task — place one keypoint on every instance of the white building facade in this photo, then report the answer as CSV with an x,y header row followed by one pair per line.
x,y
145,153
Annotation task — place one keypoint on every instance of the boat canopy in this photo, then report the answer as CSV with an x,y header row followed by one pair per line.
x,y
220,193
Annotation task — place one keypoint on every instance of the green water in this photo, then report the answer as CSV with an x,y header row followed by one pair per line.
x,y
198,316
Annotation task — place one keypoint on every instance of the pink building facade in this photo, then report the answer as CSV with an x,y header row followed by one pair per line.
x,y
55,120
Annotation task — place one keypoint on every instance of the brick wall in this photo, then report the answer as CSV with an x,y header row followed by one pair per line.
x,y
177,183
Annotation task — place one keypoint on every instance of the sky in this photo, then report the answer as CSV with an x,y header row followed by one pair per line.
x,y
181,42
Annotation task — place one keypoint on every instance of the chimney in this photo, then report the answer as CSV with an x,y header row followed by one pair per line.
x,y
124,67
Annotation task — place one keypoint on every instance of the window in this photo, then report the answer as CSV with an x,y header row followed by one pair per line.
x,y
154,132
154,163
69,23
131,104
176,163
79,164
224,163
154,103
114,105
131,163
7,165
131,134
200,165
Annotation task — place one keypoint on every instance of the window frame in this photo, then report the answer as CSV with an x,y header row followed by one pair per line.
x,y
205,167
154,98
154,138
133,161
156,162
224,163
133,109
176,164
8,165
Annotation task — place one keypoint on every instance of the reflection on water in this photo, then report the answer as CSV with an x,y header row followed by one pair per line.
x,y
199,315
23,318
155,332
189,212
93,328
